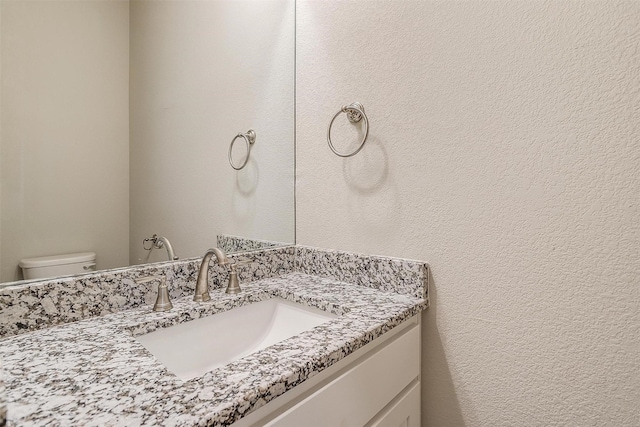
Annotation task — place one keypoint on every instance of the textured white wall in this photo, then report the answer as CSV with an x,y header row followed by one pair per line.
x,y
202,71
504,150
65,131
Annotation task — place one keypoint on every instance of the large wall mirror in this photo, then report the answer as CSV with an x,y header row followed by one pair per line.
x,y
116,121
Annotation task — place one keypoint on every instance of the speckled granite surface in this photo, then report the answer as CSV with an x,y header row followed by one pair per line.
x,y
3,406
384,273
231,244
94,372
32,306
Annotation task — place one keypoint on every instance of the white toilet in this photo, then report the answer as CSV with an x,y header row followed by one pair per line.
x,y
58,265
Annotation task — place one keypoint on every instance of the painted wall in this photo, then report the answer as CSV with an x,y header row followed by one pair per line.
x,y
201,72
505,151
64,131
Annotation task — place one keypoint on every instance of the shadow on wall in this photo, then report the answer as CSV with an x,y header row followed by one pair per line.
x,y
247,180
368,171
438,391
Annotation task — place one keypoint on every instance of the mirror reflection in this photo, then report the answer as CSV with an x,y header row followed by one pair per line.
x,y
116,122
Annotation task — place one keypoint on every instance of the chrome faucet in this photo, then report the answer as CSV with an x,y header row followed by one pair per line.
x,y
202,283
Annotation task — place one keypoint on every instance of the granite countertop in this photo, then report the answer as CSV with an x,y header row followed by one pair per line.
x,y
94,372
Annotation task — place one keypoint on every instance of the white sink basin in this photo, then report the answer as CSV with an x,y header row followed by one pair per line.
x,y
193,348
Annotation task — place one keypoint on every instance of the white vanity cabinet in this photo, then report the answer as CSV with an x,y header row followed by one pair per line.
x,y
378,385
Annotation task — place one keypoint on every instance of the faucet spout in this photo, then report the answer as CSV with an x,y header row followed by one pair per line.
x,y
161,240
202,283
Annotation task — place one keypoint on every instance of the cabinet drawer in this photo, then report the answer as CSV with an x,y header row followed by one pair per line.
x,y
403,412
357,395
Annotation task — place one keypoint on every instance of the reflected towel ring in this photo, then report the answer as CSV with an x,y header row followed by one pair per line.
x,y
355,113
249,139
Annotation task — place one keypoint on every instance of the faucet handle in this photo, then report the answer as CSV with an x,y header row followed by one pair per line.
x,y
163,302
234,284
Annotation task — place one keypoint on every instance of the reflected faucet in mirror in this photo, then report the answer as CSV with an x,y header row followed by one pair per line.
x,y
159,242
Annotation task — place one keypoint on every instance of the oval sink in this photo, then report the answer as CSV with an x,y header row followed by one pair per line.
x,y
193,348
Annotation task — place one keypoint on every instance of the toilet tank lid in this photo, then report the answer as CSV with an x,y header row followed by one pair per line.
x,y
47,261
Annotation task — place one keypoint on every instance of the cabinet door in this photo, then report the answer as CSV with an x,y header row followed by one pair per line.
x,y
356,396
404,412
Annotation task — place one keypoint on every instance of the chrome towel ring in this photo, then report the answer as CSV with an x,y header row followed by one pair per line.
x,y
355,113
249,139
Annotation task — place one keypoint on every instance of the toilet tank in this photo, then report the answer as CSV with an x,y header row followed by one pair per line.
x,y
58,265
